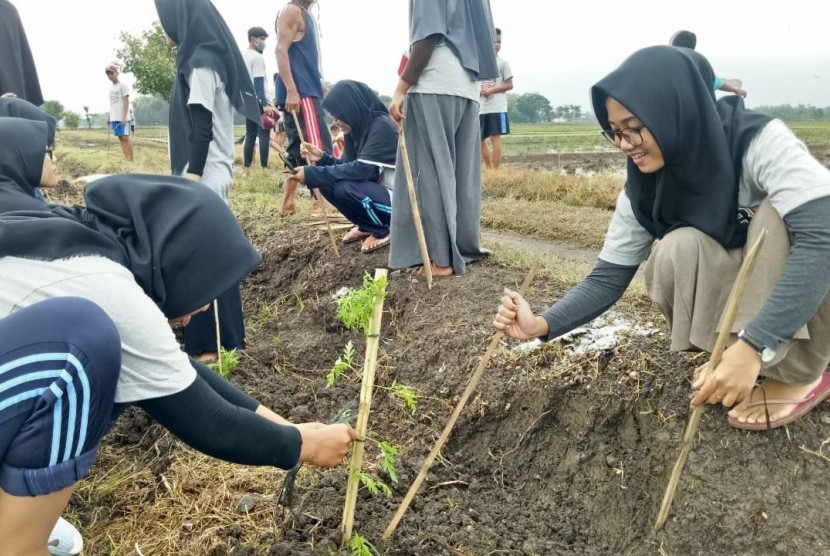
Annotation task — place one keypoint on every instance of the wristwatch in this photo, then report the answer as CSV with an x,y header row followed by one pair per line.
x,y
767,353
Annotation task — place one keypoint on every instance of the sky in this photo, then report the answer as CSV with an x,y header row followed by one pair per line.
x,y
559,49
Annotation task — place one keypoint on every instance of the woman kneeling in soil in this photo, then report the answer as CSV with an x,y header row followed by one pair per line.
x,y
704,177
359,184
141,256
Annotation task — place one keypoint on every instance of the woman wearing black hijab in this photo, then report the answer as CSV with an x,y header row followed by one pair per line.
x,y
26,163
211,79
144,250
358,185
704,177
18,74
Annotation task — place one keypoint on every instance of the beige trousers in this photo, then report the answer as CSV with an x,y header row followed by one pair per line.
x,y
689,276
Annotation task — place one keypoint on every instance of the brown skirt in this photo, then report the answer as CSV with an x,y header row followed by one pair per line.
x,y
689,276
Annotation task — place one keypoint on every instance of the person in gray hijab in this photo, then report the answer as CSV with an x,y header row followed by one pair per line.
x,y
451,51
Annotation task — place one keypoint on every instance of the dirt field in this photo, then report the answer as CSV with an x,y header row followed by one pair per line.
x,y
559,452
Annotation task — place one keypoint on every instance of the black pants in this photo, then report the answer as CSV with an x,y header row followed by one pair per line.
x,y
252,131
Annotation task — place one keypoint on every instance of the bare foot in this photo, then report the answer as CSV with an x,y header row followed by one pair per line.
x,y
207,357
437,270
372,244
752,409
288,207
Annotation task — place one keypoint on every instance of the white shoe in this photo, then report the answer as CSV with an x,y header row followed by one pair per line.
x,y
65,540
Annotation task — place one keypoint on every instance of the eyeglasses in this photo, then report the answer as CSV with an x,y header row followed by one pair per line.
x,y
109,72
49,152
632,135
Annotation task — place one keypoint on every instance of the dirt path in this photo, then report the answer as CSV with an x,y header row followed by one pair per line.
x,y
539,246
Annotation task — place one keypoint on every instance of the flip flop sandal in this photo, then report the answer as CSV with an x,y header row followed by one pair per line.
x,y
354,235
804,405
379,245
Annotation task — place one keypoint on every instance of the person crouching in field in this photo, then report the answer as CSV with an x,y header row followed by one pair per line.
x,y
359,184
88,299
703,178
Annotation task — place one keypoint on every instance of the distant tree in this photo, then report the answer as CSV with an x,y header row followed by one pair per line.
x,y
71,120
535,107
87,118
151,60
54,107
150,110
569,112
385,99
512,111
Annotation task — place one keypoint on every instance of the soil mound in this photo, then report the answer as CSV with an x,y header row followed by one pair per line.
x,y
560,451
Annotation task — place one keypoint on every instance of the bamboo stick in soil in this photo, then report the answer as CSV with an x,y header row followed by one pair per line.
x,y
314,191
218,336
416,211
471,385
369,362
692,426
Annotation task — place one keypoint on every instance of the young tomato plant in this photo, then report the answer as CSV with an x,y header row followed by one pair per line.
x,y
355,309
387,462
406,394
359,546
343,363
229,361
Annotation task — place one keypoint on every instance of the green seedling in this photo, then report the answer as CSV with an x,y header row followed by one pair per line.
x,y
229,361
374,486
355,309
387,462
343,363
406,394
388,458
359,546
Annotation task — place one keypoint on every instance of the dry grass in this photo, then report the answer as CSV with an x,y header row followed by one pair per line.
x,y
598,191
186,510
550,220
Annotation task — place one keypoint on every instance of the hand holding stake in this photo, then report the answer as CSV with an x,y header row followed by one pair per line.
x,y
720,344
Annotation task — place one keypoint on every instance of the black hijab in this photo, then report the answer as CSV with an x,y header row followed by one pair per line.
x,y
703,142
22,148
204,41
182,243
373,137
12,107
18,73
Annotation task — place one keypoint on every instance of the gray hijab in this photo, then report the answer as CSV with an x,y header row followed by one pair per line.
x,y
467,28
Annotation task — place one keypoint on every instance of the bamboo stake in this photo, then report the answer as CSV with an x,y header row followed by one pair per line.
x,y
692,426
218,335
314,192
416,211
436,449
369,362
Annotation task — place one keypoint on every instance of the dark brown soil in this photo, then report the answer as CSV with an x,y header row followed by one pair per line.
x,y
551,456
571,163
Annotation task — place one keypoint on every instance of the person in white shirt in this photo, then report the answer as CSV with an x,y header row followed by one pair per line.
x,y
119,114
493,112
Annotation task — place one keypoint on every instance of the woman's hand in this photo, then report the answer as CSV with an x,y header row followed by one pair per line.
x,y
310,152
327,445
516,320
298,175
732,380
